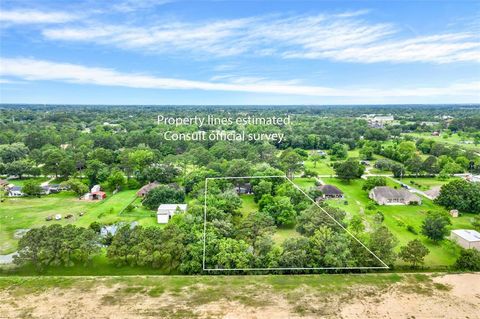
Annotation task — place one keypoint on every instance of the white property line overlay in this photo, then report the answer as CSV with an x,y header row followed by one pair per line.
x,y
385,266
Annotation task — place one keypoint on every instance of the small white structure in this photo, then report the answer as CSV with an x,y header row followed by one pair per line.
x,y
58,217
467,238
95,188
166,211
454,213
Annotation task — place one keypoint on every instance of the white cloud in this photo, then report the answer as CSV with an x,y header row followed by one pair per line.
x,y
134,5
39,70
345,36
35,17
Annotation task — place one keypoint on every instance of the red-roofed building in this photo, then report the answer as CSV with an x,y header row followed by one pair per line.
x,y
99,195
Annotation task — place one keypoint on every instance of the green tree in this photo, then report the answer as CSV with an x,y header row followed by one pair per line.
x,y
382,243
434,226
366,152
460,194
280,208
356,224
415,164
163,194
397,169
414,252
373,181
291,162
76,186
315,158
469,259
116,180
31,188
339,151
232,254
406,150
262,188
349,169
19,168
254,226
314,217
57,245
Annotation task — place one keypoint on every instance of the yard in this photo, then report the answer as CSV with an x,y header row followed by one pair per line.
x,y
398,218
25,213
453,139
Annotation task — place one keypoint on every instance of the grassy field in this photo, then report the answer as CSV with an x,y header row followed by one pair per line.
x,y
398,218
305,182
453,139
425,182
24,213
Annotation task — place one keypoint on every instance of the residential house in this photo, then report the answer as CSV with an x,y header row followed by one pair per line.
x,y
385,195
142,192
245,188
467,238
166,211
15,191
3,183
329,191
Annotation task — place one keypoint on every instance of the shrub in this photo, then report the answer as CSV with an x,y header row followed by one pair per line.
x,y
411,229
469,259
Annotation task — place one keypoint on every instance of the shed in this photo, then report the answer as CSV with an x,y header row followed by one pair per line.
x,y
454,213
99,195
166,211
467,238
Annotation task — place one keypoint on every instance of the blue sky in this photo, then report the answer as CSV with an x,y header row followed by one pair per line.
x,y
239,52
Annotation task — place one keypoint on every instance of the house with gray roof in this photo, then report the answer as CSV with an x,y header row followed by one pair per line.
x,y
329,191
385,195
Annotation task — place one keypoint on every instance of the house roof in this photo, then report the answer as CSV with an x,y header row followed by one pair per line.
x,y
3,182
433,192
392,193
330,190
15,188
172,207
469,235
146,188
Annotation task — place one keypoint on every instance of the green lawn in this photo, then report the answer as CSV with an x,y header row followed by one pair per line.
x,y
425,182
282,234
305,182
397,218
322,167
248,205
24,213
454,139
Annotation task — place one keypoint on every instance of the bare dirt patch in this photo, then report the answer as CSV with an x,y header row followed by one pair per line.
x,y
415,296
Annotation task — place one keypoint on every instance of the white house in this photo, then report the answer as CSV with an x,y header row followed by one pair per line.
x,y
467,238
166,211
15,191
